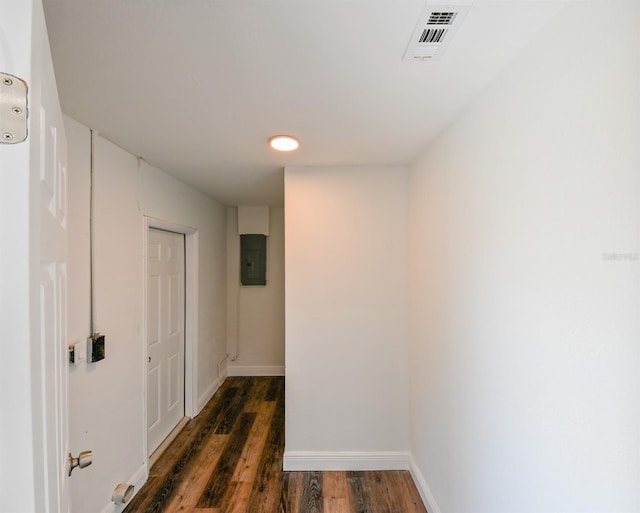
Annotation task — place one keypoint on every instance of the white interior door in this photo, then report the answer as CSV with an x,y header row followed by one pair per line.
x,y
165,334
33,270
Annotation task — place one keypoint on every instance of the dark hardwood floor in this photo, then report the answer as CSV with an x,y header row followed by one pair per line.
x,y
229,460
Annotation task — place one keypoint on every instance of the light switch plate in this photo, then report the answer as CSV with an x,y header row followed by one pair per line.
x,y
77,352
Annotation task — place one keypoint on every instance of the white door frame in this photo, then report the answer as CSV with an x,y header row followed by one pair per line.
x,y
190,317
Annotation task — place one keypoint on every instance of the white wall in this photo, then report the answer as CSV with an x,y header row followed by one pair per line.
x,y
164,197
106,398
346,317
525,389
255,314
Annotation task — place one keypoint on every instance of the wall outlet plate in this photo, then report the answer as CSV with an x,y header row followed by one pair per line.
x,y
95,348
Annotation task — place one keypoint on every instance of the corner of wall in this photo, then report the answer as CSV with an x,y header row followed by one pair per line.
x,y
423,488
208,393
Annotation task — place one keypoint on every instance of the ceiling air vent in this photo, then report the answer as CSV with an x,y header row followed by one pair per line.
x,y
436,27
442,18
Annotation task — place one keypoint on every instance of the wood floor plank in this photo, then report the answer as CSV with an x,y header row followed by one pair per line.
x,y
275,385
312,493
142,501
258,394
336,492
190,490
240,498
291,492
360,501
250,458
379,494
265,495
221,477
406,494
235,407
157,500
241,471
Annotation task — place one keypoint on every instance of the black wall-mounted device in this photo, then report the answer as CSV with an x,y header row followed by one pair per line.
x,y
253,259
95,348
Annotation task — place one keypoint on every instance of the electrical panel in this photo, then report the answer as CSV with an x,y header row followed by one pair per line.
x,y
253,259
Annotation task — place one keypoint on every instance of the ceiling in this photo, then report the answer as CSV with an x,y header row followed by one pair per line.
x,y
197,87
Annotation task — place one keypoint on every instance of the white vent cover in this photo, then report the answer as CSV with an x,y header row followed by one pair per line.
x,y
435,29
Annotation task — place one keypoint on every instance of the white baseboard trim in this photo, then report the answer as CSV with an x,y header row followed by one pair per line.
x,y
307,460
255,370
422,486
138,479
224,372
208,393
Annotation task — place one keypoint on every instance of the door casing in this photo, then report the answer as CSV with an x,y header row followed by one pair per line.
x,y
191,407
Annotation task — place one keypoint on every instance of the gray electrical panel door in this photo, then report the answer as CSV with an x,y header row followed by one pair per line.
x,y
253,259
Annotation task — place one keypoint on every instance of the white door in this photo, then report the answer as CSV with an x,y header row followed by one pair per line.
x,y
165,334
33,277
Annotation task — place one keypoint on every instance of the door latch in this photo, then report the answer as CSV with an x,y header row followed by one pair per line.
x,y
84,459
13,109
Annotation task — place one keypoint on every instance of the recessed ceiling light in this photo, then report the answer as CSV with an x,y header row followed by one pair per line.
x,y
284,143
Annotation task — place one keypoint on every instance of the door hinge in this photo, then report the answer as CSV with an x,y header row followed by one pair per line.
x,y
13,109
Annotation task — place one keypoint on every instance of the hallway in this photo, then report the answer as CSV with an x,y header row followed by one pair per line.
x,y
229,460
